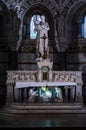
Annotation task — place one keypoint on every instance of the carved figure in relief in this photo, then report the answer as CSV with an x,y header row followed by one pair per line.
x,y
33,77
32,95
16,76
61,77
67,77
22,77
28,77
56,77
72,78
59,92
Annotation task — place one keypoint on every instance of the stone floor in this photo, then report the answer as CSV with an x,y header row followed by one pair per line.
x,y
72,118
40,108
45,120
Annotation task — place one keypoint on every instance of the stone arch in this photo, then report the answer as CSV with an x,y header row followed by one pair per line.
x,y
51,5
72,14
48,7
42,10
5,3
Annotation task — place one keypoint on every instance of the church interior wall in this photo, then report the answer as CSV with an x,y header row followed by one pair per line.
x,y
75,53
71,55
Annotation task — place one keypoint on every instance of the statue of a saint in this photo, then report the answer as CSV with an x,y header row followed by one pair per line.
x,y
42,28
58,94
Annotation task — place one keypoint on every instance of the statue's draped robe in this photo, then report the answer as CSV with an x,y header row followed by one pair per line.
x,y
42,38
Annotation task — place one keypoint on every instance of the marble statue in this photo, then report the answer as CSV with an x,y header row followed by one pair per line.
x,y
42,28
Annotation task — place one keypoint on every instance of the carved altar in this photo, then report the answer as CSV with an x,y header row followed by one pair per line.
x,y
17,80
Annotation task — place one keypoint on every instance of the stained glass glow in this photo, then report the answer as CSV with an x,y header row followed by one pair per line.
x,y
45,91
33,33
83,28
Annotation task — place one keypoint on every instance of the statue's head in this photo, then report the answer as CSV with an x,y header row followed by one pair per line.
x,y
43,17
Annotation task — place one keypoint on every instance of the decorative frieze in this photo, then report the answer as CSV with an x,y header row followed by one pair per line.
x,y
65,76
13,76
57,76
68,79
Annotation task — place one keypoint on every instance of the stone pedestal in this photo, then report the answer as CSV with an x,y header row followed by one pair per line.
x,y
44,70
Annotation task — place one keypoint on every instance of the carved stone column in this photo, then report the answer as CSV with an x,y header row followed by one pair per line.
x,y
10,88
72,93
16,92
39,98
19,94
52,98
79,81
79,97
39,76
50,76
10,95
25,95
66,93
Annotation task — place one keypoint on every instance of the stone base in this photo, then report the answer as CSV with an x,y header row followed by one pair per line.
x,y
34,108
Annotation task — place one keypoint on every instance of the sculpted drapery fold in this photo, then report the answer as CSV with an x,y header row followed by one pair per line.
x,y
42,28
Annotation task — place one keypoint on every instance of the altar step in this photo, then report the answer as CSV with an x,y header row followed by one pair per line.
x,y
25,109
